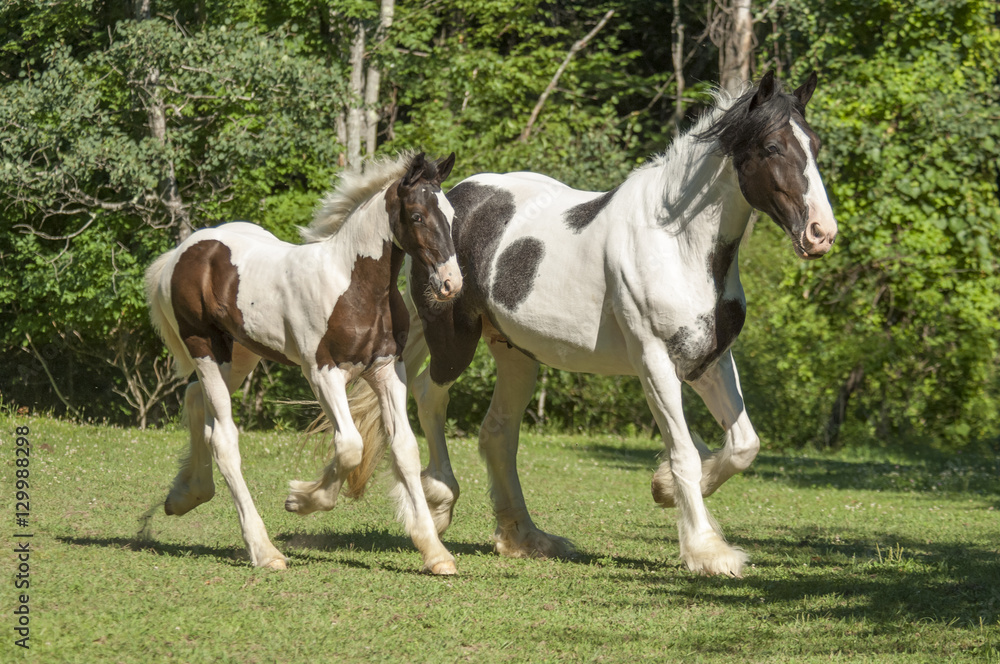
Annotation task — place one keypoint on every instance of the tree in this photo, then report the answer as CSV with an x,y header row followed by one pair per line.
x,y
895,334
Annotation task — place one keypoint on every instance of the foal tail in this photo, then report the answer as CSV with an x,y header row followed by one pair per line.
x,y
158,297
367,413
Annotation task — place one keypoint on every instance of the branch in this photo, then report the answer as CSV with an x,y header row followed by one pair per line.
x,y
72,411
576,48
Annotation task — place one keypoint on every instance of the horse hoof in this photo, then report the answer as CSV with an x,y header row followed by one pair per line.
x,y
277,563
444,568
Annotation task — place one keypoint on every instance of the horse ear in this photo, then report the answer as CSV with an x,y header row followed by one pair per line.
x,y
415,172
805,91
444,168
764,91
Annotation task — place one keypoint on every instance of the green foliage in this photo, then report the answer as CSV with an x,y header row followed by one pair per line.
x,y
907,110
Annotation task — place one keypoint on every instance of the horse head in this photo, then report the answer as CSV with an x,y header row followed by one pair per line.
x,y
421,219
774,152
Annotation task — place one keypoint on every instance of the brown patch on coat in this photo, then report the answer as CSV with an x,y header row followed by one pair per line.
x,y
370,319
203,288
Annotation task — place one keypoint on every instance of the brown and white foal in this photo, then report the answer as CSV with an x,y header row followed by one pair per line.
x,y
228,296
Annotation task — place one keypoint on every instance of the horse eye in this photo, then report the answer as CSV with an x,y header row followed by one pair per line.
x,y
773,149
417,219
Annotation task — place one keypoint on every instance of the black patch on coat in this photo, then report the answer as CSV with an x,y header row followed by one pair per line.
x,y
695,352
578,217
482,213
516,269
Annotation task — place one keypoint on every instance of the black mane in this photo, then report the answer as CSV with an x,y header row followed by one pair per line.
x,y
741,128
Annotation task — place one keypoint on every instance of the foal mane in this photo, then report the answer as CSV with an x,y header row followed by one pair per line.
x,y
351,192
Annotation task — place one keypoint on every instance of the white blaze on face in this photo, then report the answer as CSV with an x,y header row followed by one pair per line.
x,y
449,275
821,227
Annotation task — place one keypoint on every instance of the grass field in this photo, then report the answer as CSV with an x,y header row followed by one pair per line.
x,y
890,559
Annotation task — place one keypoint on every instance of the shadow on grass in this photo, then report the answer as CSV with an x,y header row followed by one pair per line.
x,y
945,582
231,555
374,540
937,473
930,471
624,457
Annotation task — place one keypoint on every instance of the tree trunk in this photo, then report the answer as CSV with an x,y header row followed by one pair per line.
x,y
355,110
374,79
839,413
678,60
170,196
734,37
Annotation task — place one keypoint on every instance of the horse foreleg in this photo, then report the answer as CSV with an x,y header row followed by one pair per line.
x,y
330,387
438,479
719,388
516,534
389,382
224,440
703,548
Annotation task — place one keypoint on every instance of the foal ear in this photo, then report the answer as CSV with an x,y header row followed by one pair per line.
x,y
415,172
805,91
444,168
764,91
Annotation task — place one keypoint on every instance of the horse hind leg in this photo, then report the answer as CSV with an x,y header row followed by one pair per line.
x,y
330,388
224,441
516,534
194,484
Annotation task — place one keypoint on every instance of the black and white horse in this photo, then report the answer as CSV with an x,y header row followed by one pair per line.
x,y
228,296
641,280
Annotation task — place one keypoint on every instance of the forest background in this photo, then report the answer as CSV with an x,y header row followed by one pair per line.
x,y
125,125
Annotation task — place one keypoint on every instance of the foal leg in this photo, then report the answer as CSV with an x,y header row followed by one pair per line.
x,y
224,439
516,534
330,387
389,383
439,483
194,484
702,545
719,388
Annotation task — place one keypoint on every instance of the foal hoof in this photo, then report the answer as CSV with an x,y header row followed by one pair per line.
x,y
444,568
277,563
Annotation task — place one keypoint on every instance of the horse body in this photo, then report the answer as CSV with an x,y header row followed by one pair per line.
x,y
641,280
227,296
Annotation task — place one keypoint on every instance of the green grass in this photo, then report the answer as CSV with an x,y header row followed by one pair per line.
x,y
853,559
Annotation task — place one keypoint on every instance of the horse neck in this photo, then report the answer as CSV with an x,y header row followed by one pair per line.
x,y
695,195
364,232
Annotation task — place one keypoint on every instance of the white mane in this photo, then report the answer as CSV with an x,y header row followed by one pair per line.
x,y
353,190
679,153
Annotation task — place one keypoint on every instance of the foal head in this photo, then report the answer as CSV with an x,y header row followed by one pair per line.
x,y
774,151
421,217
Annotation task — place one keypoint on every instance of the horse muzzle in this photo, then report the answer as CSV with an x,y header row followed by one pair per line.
x,y
817,238
446,280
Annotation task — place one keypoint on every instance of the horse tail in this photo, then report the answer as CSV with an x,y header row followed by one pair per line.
x,y
158,297
367,415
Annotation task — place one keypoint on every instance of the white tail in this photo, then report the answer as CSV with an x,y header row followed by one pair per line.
x,y
158,297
